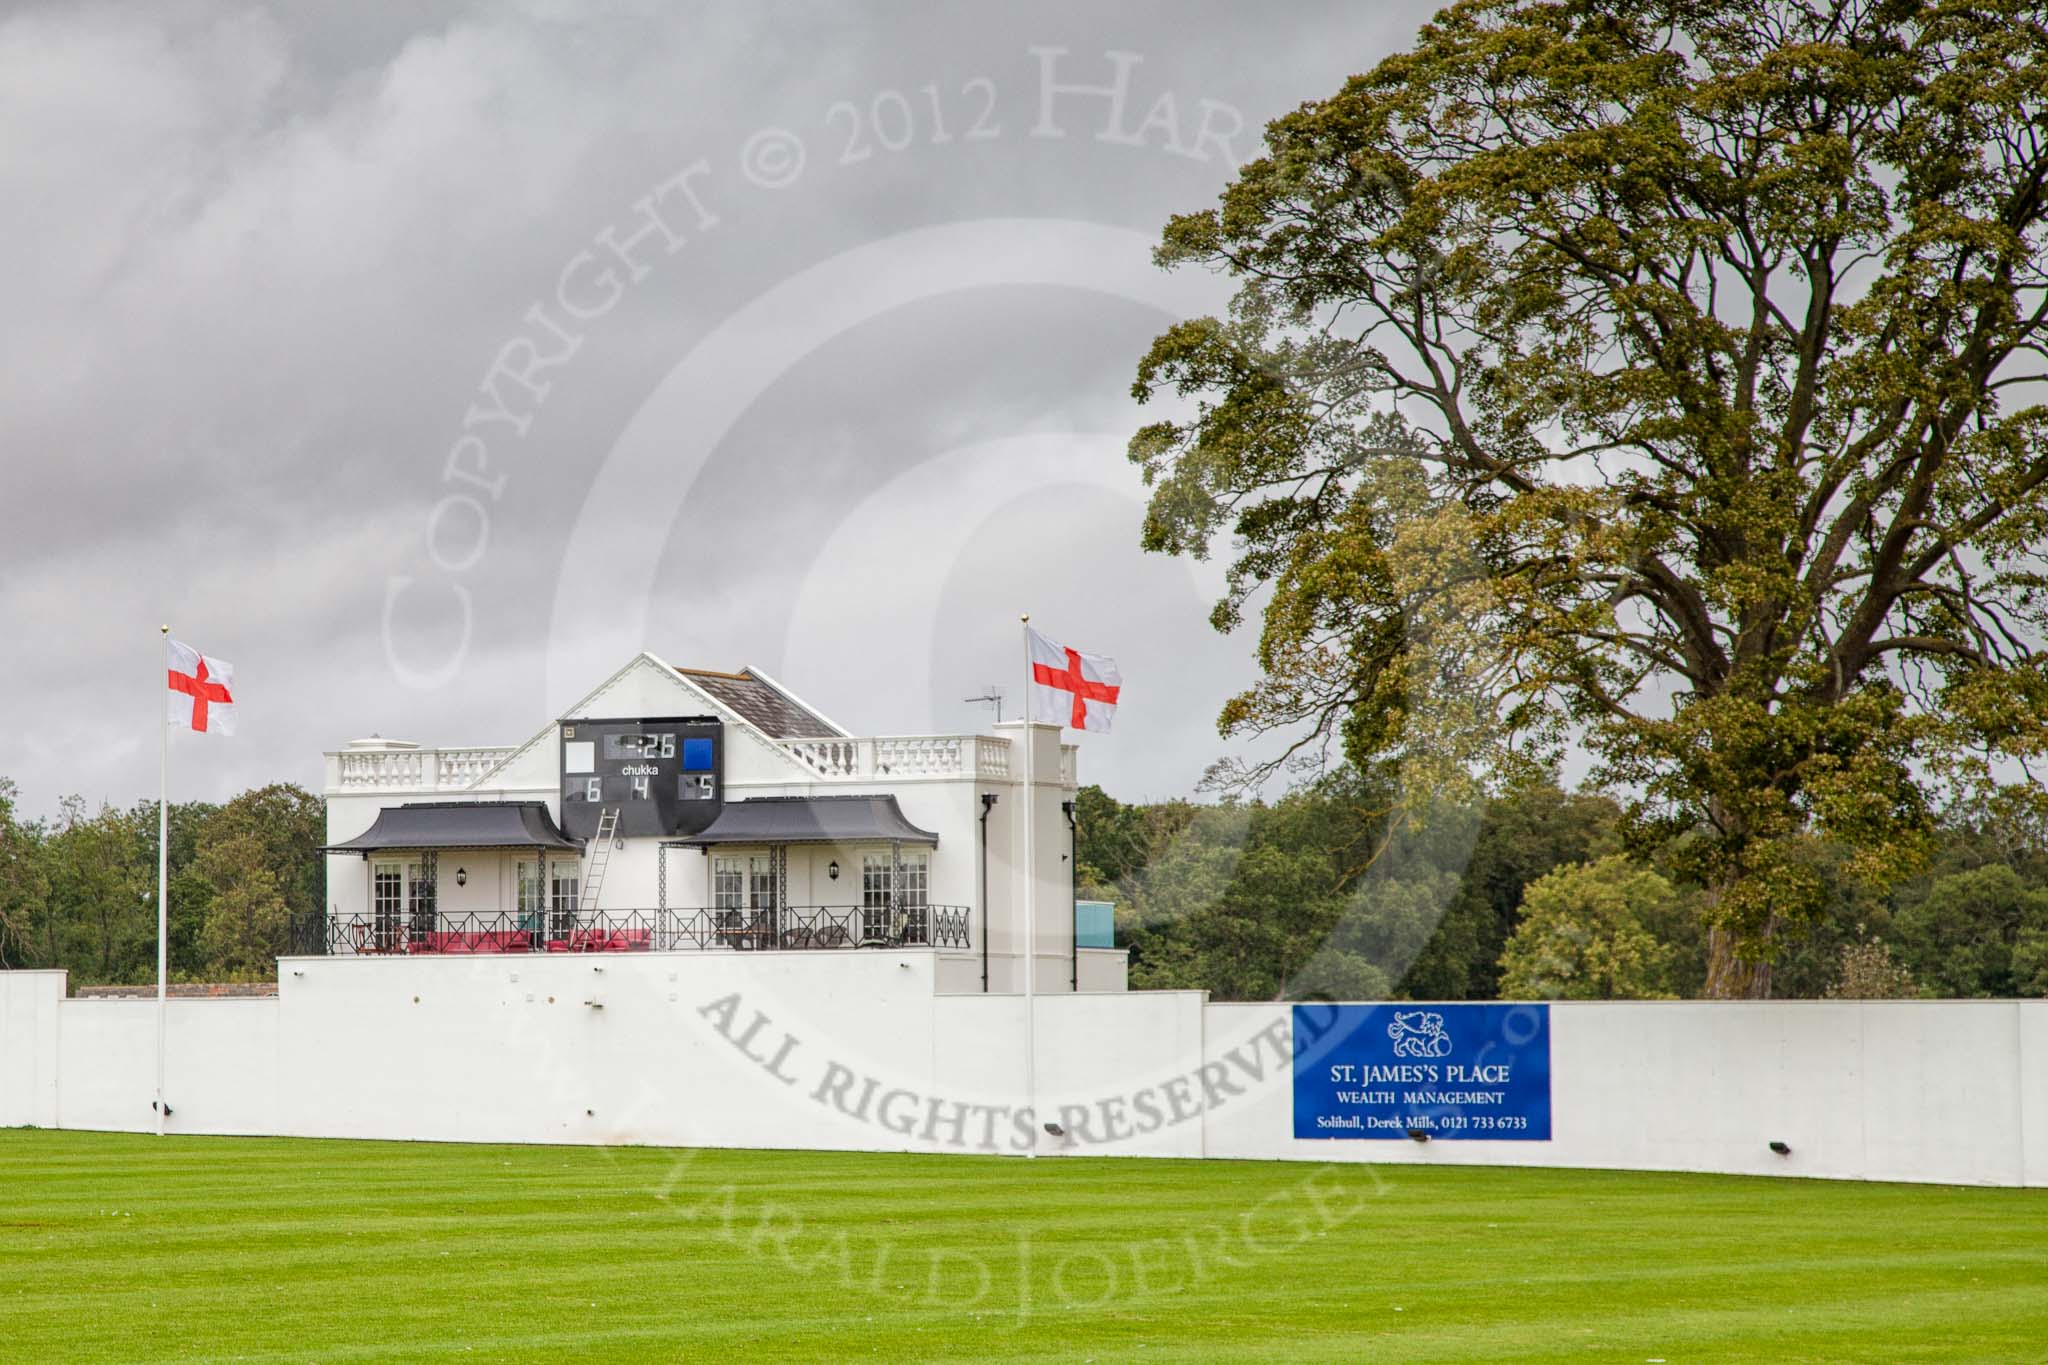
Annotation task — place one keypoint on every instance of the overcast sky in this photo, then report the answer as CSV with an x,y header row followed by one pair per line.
x,y
425,361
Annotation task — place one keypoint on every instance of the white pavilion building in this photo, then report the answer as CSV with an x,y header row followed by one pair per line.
x,y
691,810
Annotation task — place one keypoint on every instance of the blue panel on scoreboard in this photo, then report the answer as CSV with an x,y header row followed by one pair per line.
x,y
697,756
1438,1071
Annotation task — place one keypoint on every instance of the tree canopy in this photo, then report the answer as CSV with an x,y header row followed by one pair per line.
x,y
246,883
1586,934
1327,893
1659,378
1982,932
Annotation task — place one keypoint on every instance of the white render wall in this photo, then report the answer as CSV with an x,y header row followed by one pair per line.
x,y
864,1051
29,1006
1948,1091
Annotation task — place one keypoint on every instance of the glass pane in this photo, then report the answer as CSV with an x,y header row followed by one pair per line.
x,y
875,879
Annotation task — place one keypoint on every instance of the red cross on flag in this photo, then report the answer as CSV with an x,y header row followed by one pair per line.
x,y
199,698
1072,688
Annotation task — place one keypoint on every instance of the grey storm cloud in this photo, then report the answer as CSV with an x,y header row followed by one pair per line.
x,y
266,268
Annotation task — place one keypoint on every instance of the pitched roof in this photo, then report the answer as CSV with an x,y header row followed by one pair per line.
x,y
459,824
810,820
761,703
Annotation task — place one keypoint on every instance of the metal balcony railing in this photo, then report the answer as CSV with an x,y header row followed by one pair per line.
x,y
792,927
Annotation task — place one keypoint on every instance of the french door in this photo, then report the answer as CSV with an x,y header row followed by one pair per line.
x,y
387,906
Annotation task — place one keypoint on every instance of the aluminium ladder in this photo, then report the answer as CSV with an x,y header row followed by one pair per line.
x,y
600,857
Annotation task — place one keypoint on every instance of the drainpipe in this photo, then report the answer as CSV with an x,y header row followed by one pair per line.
x,y
1073,897
988,801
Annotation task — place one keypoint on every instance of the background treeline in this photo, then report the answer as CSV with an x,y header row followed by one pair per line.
x,y
1322,892
1325,893
79,891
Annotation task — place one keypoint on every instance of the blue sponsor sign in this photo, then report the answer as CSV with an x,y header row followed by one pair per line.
x,y
1395,1071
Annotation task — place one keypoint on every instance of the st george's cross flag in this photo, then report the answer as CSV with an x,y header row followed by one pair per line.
x,y
1072,688
201,696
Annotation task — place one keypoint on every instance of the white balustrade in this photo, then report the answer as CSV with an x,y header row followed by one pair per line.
x,y
414,769
827,757
920,755
465,767
903,756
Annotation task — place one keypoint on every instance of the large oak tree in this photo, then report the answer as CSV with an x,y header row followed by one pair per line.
x,y
1658,378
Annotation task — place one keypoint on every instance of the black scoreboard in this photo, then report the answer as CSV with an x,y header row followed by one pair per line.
x,y
666,776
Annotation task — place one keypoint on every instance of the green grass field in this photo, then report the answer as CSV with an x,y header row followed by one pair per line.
x,y
133,1248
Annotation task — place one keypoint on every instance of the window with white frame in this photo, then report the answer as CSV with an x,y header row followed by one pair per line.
x,y
421,910
877,880
549,905
729,891
914,879
743,891
915,874
728,883
890,882
387,905
529,896
566,880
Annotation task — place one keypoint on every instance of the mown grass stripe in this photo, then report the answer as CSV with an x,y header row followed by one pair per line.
x,y
118,1247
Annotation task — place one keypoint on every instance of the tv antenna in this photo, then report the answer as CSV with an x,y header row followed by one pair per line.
x,y
994,697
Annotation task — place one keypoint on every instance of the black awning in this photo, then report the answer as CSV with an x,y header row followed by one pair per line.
x,y
810,820
459,824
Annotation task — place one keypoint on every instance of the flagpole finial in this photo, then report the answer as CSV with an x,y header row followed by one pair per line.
x,y
1025,617
166,630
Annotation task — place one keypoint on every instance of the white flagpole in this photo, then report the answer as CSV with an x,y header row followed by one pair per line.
x,y
163,875
1030,905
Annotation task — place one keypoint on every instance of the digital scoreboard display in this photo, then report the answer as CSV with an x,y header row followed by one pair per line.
x,y
666,776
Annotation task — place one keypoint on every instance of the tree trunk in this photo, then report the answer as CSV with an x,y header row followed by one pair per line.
x,y
1733,978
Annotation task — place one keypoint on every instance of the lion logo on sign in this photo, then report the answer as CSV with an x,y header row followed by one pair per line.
x,y
1419,1033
